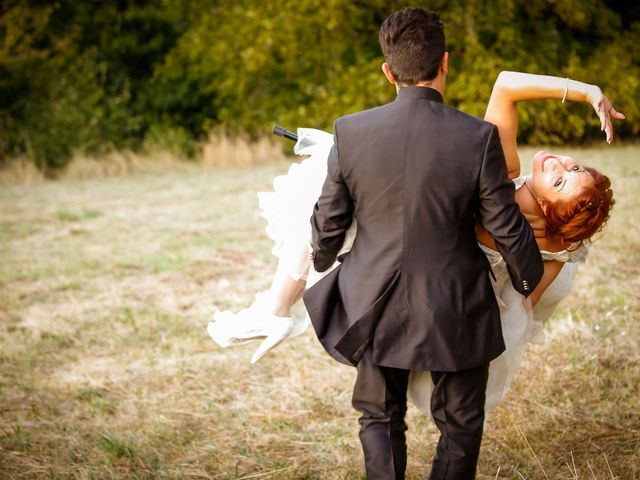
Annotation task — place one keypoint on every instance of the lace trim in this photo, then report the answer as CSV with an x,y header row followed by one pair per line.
x,y
578,255
519,181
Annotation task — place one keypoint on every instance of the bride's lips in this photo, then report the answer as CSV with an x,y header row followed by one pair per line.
x,y
541,159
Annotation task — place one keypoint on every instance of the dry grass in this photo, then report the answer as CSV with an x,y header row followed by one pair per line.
x,y
217,151
224,151
20,171
106,371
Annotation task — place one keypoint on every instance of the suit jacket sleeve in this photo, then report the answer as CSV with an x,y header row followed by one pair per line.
x,y
332,214
500,215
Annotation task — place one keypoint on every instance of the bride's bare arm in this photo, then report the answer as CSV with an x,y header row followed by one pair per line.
x,y
513,87
502,110
551,270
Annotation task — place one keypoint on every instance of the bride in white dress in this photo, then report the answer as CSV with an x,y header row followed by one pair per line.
x,y
565,203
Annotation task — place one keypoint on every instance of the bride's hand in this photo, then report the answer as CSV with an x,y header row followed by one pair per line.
x,y
605,112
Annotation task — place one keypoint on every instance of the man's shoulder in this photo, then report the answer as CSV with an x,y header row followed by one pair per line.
x,y
467,124
364,115
458,117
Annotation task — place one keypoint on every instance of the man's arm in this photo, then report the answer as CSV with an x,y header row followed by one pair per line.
x,y
332,214
500,215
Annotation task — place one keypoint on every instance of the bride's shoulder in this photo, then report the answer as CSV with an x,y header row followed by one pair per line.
x,y
551,244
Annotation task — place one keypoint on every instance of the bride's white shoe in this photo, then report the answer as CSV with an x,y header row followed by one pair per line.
x,y
254,323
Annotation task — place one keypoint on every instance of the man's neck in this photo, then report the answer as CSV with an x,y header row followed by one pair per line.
x,y
435,84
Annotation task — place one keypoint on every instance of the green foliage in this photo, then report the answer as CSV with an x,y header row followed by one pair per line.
x,y
84,76
118,447
80,75
581,40
176,140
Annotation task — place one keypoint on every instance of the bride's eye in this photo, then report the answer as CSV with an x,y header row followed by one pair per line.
x,y
558,182
575,168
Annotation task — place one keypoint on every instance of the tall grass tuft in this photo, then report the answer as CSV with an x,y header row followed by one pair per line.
x,y
217,151
225,151
20,171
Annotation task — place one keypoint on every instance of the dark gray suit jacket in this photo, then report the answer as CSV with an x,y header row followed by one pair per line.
x,y
415,287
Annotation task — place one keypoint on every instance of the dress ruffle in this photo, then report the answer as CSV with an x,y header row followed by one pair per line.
x,y
287,209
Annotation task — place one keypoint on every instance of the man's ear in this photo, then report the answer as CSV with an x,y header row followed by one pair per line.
x,y
387,73
444,64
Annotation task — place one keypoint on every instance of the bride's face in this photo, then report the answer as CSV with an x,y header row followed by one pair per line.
x,y
557,178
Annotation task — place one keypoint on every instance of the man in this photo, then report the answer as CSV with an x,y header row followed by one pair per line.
x,y
414,292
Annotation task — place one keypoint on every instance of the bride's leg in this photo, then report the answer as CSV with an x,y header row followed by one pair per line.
x,y
286,293
270,314
290,278
286,289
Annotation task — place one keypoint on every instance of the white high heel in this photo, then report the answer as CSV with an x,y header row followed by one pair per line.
x,y
254,323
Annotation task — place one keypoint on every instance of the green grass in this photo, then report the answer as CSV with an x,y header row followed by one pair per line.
x,y
68,216
106,370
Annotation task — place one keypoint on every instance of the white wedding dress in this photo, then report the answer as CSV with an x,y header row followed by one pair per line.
x,y
288,209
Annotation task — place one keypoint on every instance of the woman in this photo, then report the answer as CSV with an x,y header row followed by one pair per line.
x,y
565,203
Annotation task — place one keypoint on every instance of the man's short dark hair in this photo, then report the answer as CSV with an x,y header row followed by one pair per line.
x,y
412,41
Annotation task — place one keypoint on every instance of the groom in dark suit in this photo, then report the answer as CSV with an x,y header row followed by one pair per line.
x,y
414,292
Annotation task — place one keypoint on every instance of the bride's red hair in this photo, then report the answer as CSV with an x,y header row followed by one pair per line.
x,y
585,214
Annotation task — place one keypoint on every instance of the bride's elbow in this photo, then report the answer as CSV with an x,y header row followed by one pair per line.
x,y
507,77
506,80
535,296
514,173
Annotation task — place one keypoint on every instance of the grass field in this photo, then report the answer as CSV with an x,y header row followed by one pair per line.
x,y
106,370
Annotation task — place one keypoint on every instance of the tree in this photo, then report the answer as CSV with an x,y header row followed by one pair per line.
x,y
85,76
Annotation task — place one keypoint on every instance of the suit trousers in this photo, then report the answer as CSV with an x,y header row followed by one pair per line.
x,y
457,406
